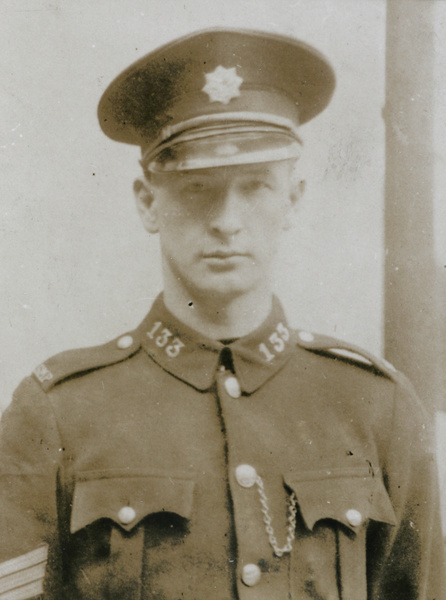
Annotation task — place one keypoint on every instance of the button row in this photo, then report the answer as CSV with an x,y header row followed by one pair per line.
x,y
246,476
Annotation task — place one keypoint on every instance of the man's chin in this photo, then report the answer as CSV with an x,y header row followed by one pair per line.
x,y
224,286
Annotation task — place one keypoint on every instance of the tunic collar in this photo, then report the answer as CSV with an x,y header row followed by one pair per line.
x,y
194,358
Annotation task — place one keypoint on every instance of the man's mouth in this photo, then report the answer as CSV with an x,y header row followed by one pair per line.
x,y
223,254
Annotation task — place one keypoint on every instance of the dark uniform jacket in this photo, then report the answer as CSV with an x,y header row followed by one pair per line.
x,y
136,470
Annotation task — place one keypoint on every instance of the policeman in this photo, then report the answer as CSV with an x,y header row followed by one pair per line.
x,y
213,452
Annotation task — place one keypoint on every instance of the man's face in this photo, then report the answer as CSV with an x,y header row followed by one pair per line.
x,y
220,227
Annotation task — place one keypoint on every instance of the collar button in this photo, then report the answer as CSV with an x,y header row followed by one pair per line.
x,y
232,387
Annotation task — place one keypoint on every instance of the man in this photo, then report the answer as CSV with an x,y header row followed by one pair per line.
x,y
213,452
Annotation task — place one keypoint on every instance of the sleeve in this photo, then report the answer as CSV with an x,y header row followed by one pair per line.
x,y
406,561
29,458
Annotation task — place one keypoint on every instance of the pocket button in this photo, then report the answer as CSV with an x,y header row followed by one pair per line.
x,y
126,515
354,517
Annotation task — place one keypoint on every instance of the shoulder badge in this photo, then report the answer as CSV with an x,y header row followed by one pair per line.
x,y
73,362
338,349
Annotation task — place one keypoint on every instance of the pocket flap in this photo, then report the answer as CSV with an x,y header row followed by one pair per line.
x,y
347,496
127,500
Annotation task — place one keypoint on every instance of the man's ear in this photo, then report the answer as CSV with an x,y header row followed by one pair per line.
x,y
146,204
297,190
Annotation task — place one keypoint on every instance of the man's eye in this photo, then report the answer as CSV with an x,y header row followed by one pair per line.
x,y
195,187
255,185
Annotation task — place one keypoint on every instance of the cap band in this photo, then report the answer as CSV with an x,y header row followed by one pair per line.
x,y
234,118
225,157
223,139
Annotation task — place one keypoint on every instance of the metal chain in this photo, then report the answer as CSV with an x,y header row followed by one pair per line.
x,y
291,528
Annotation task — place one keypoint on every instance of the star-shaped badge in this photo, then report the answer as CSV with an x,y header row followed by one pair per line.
x,y
222,85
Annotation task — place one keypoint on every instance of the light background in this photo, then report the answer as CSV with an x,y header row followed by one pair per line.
x,y
77,267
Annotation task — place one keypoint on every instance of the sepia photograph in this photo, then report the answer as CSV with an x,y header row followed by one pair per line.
x,y
223,269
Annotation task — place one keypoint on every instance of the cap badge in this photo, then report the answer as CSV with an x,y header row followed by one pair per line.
x,y
222,85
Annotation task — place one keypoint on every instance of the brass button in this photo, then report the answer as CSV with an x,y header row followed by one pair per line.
x,y
245,475
232,386
125,342
251,574
126,515
306,336
354,517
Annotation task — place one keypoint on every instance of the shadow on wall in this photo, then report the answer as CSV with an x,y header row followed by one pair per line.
x,y
441,458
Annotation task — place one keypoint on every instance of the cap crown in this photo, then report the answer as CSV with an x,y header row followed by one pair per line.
x,y
236,73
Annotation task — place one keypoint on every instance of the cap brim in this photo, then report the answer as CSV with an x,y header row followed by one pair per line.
x,y
223,149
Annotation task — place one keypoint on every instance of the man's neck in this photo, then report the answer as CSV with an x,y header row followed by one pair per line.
x,y
221,318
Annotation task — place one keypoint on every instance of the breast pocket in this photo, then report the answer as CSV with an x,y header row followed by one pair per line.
x,y
126,501
114,518
335,508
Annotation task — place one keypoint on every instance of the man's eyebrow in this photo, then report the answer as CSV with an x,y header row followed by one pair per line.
x,y
261,173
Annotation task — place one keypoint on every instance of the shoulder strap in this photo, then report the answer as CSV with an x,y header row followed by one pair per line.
x,y
338,349
73,362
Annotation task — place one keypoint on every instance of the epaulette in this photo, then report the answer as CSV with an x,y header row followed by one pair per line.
x,y
335,348
74,362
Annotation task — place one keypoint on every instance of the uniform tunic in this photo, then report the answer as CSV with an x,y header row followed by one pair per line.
x,y
132,471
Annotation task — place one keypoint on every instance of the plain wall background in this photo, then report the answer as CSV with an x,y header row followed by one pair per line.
x,y
77,267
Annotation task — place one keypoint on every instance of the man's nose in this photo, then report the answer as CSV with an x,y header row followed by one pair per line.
x,y
226,213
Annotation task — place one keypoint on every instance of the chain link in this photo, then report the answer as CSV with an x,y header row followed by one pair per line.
x,y
291,528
